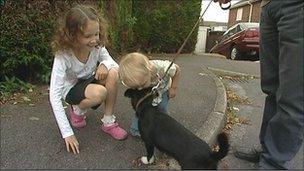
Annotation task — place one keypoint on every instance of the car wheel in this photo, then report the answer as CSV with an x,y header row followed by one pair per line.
x,y
234,53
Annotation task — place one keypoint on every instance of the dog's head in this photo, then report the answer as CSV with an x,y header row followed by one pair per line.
x,y
137,95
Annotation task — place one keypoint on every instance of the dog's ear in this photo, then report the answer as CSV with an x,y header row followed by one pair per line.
x,y
129,93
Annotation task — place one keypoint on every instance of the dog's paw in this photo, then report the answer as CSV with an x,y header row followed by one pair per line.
x,y
144,160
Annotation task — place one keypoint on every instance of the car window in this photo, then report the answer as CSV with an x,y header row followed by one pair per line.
x,y
228,31
224,37
238,28
232,32
234,29
250,25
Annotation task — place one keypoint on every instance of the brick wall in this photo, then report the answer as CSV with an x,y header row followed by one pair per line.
x,y
256,12
255,16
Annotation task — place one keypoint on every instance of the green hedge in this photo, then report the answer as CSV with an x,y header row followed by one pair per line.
x,y
27,26
24,41
162,26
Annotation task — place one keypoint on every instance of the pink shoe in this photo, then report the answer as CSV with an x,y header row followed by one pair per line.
x,y
77,121
115,131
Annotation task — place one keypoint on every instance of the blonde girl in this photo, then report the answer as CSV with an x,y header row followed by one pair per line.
x,y
137,71
83,74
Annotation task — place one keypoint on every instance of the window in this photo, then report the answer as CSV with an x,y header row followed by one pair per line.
x,y
239,14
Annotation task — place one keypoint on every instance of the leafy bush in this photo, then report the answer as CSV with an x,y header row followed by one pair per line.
x,y
27,26
12,85
121,33
26,30
162,26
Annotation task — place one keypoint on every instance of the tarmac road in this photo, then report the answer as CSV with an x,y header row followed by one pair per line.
x,y
30,138
246,135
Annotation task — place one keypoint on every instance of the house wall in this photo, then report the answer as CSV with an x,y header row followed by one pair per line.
x,y
255,16
256,12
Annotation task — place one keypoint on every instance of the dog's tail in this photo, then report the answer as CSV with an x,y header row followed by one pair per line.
x,y
223,142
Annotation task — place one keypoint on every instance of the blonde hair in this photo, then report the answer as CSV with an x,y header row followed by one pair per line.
x,y
73,23
133,66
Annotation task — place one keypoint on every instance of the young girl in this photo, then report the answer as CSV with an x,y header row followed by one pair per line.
x,y
138,72
83,74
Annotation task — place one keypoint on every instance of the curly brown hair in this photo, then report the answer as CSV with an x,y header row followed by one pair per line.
x,y
73,22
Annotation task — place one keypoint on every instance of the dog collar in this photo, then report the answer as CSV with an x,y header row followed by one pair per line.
x,y
142,99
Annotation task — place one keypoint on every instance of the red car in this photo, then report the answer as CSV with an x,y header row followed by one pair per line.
x,y
240,41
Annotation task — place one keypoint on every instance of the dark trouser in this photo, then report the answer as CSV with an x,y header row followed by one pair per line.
x,y
281,57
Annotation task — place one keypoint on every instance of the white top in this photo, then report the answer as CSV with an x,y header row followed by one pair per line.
x,y
67,69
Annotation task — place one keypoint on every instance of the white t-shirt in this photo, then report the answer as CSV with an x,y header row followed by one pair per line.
x,y
67,69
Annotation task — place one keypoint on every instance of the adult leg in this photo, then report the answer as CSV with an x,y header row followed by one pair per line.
x,y
283,134
269,59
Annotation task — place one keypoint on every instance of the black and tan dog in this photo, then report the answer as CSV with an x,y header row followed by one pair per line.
x,y
159,130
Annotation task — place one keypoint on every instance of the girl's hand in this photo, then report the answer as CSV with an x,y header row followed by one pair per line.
x,y
101,72
72,142
172,92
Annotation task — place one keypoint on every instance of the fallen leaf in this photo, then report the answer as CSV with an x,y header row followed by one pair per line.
x,y
6,116
24,98
201,74
137,162
34,118
235,108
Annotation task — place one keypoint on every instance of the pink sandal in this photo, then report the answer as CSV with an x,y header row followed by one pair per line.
x,y
77,121
115,131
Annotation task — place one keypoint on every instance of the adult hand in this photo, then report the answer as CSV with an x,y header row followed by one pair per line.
x,y
172,92
101,72
71,142
222,1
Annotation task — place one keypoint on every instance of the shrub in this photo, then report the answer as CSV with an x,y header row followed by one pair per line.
x,y
27,27
12,85
162,26
26,31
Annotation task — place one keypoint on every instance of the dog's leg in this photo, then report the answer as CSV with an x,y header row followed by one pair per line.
x,y
150,154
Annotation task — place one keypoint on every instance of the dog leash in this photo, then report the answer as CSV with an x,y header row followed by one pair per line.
x,y
142,99
156,87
